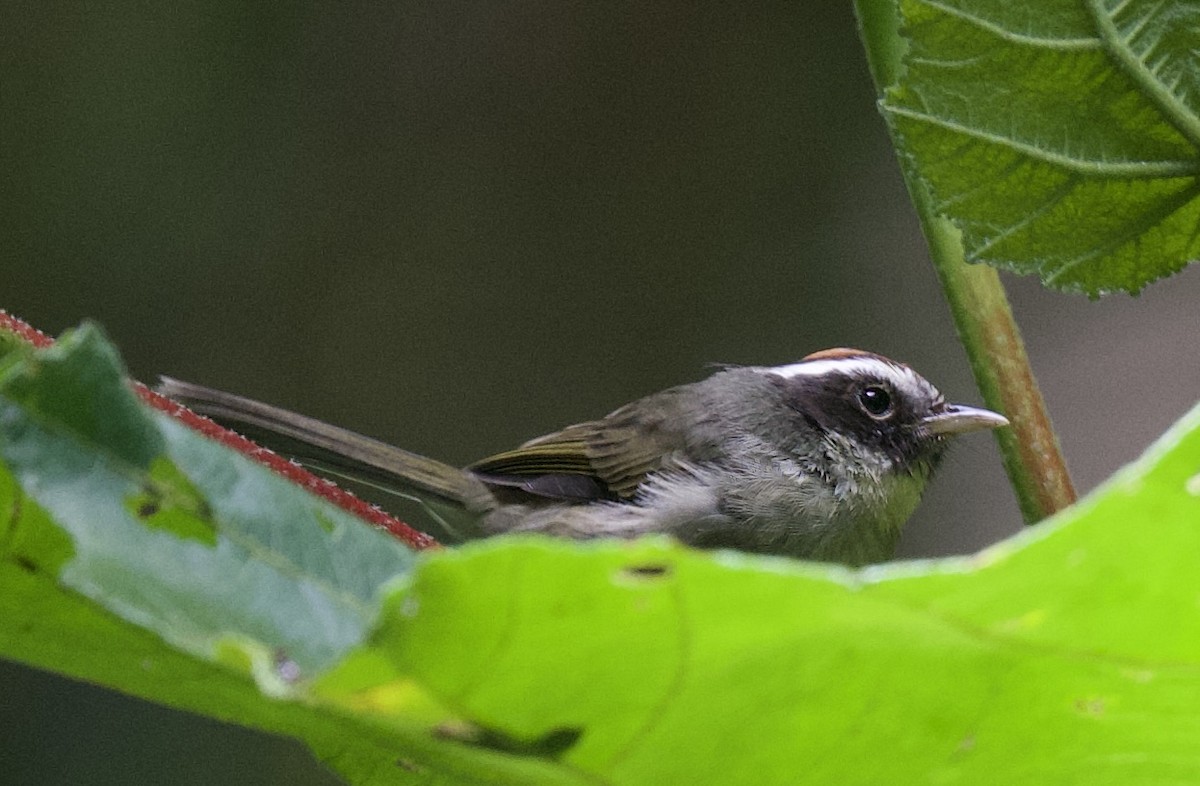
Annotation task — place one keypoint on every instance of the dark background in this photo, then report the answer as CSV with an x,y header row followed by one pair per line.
x,y
456,225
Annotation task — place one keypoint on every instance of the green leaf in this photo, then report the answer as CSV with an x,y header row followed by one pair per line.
x,y
49,626
140,555
83,392
176,533
1060,137
1070,654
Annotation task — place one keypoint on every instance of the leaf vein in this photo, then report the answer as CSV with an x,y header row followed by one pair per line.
x,y
1174,110
1149,220
1058,44
1028,219
1116,169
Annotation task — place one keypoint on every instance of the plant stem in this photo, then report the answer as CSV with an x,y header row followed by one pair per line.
x,y
981,312
993,342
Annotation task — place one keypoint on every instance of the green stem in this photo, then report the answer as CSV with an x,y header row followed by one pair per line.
x,y
981,312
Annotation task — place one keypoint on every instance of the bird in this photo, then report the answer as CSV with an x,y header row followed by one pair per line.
x,y
823,459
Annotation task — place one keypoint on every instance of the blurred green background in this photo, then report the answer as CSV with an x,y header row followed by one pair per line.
x,y
456,225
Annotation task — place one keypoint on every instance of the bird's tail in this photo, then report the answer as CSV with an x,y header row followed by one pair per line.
x,y
456,499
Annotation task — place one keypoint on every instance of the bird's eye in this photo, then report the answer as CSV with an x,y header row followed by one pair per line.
x,y
876,400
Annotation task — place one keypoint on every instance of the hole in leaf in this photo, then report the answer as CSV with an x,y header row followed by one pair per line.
x,y
169,501
550,745
651,570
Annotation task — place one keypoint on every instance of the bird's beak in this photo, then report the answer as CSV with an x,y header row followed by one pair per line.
x,y
959,419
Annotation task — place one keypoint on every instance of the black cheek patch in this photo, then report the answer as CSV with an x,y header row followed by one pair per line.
x,y
830,403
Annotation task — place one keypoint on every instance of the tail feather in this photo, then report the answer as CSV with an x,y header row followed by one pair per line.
x,y
337,450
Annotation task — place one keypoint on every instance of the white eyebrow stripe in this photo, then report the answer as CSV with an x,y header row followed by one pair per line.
x,y
817,368
901,377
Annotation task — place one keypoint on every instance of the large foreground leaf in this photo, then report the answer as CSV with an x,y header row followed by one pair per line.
x,y
140,556
1061,136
